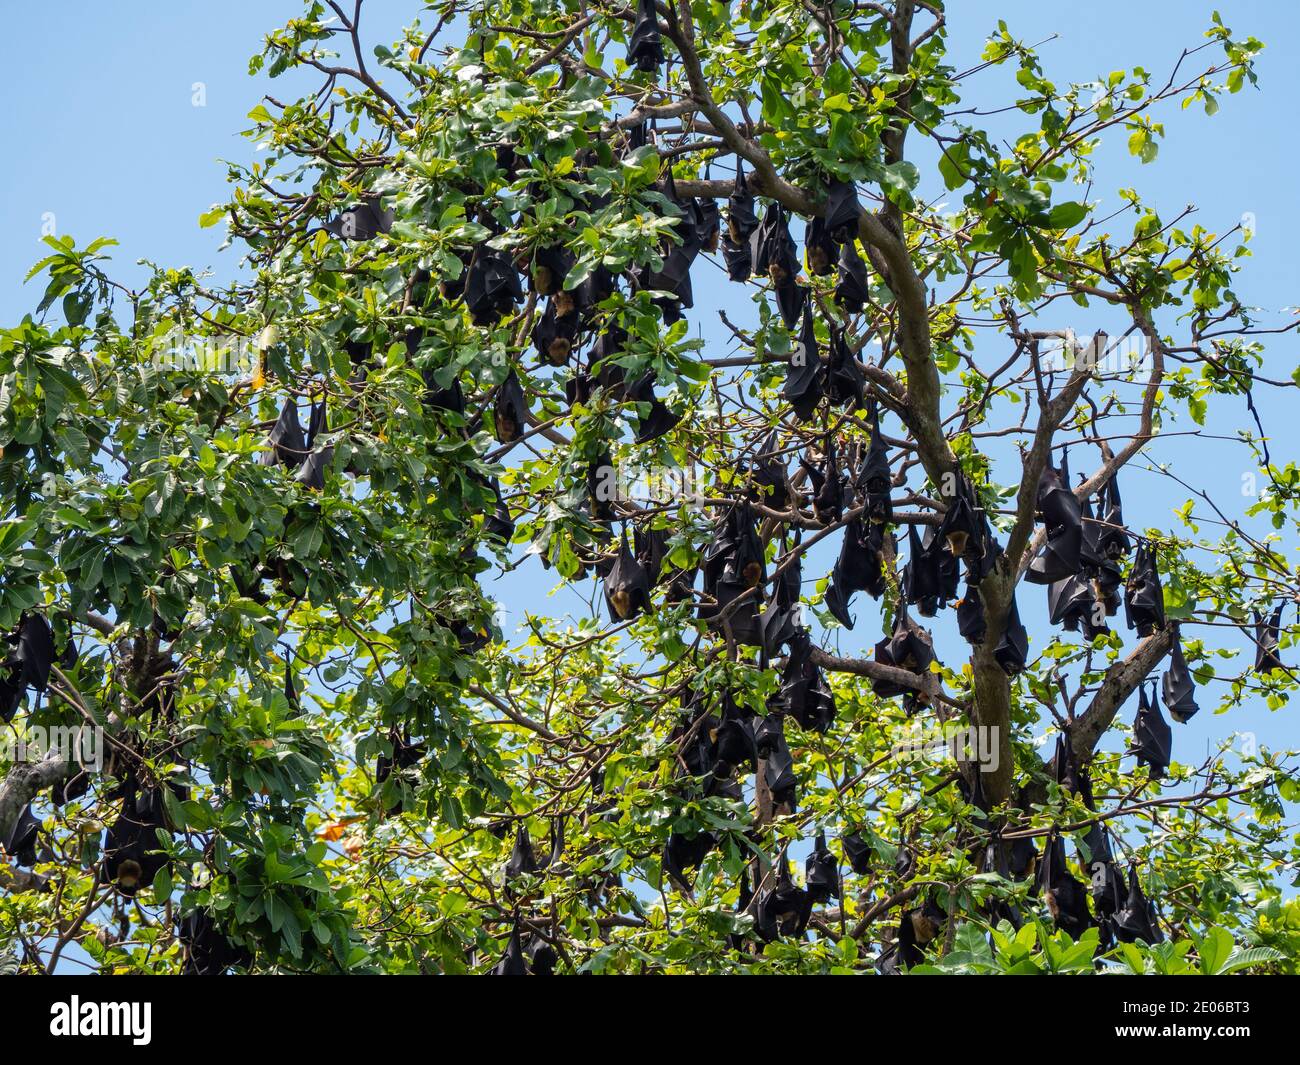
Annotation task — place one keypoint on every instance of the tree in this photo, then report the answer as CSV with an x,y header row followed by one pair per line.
x,y
470,256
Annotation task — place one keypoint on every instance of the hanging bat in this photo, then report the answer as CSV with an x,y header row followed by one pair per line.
x,y
1012,650
645,50
288,444
1060,555
627,587
820,252
21,842
510,409
852,283
845,381
1144,600
803,388
1268,636
207,951
843,212
821,872
361,221
1177,687
522,860
1152,737
783,909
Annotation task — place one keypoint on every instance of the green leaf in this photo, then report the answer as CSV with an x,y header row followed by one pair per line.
x,y
1066,215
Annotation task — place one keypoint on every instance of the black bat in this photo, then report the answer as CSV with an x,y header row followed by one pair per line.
x,y
1061,514
804,386
852,283
819,249
931,575
74,787
522,860
550,267
1144,600
601,488
287,440
774,249
311,474
498,524
843,211
512,962
1022,860
868,540
683,853
1152,736
132,857
1108,888
828,484
1136,919
595,289
804,693
916,931
542,957
707,220
1268,635
317,423
554,335
1071,603
971,623
609,345
821,872
450,399
874,479
1012,650
650,545
492,286
783,909
1066,896
361,221
659,419
1085,601
857,852
778,767
739,259
742,620
777,623
1112,540
775,256
859,568
675,275
735,746
207,950
769,472
1066,766
21,842
1177,687
965,530
28,664
905,648
742,222
627,587
510,409
645,49
405,755
845,381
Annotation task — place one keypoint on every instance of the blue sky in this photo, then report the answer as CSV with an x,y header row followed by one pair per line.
x,y
102,134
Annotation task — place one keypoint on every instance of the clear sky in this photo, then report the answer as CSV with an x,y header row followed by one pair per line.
x,y
102,133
